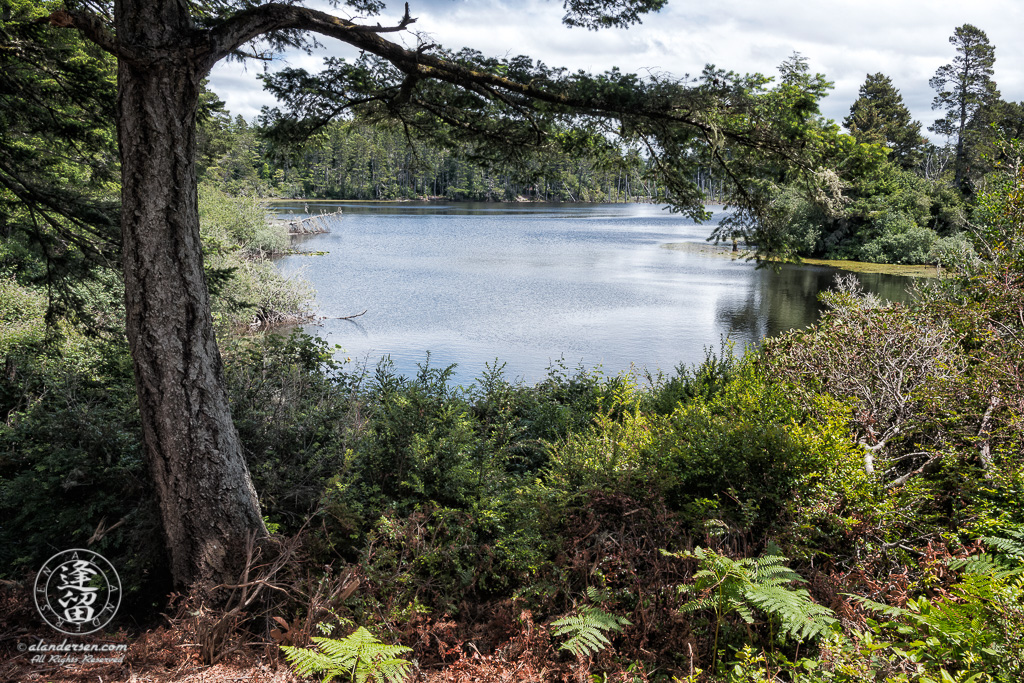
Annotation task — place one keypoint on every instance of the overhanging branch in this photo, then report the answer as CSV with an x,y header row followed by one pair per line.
x,y
92,27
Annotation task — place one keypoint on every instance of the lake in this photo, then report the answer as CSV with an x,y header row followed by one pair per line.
x,y
532,284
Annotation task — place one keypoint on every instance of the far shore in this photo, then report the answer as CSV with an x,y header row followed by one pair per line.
x,y
428,200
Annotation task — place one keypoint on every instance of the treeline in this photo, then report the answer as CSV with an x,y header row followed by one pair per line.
x,y
358,159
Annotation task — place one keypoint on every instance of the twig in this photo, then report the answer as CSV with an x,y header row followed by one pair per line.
x,y
343,317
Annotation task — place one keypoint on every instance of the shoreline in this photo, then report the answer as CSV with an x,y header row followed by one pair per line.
x,y
897,269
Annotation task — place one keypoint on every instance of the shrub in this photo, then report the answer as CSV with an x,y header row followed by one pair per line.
x,y
247,291
295,409
71,467
750,447
901,240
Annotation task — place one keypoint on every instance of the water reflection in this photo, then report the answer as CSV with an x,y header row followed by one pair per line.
x,y
529,284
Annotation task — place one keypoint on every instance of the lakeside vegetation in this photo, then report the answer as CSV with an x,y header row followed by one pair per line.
x,y
844,503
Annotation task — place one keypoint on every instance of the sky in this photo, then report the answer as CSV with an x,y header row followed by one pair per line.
x,y
905,39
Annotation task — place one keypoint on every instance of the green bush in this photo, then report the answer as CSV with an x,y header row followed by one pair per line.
x,y
751,447
901,240
21,318
295,409
71,467
238,223
247,290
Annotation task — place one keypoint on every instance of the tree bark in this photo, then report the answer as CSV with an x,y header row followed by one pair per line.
x,y
207,500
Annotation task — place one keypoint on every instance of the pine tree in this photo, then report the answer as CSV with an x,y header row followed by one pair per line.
x,y
879,116
964,86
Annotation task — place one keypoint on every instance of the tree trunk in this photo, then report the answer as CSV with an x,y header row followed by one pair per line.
x,y
207,500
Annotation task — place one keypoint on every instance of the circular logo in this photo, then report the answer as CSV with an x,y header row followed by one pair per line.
x,y
77,591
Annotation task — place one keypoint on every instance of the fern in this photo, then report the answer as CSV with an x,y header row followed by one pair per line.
x,y
587,627
1012,548
1007,563
725,586
979,630
360,658
798,616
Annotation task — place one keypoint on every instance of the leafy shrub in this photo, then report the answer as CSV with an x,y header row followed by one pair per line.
x,y
974,633
750,447
71,467
901,240
294,408
247,291
688,384
21,318
238,223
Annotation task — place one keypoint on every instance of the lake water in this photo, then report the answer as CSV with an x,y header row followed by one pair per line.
x,y
530,284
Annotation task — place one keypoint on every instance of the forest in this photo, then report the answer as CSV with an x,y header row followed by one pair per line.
x,y
842,503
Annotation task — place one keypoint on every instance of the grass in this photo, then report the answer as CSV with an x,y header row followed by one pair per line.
x,y
725,250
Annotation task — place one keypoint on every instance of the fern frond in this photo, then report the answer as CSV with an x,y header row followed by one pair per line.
x,y
879,607
1012,547
991,566
798,615
770,570
359,656
764,583
307,662
587,630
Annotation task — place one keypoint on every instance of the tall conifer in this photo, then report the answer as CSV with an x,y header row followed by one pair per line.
x,y
879,116
963,87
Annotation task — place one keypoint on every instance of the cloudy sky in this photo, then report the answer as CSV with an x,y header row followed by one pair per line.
x,y
844,39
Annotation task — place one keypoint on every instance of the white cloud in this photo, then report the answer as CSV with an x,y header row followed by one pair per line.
x,y
844,39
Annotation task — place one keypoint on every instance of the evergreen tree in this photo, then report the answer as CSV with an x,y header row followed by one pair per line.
x,y
879,116
58,161
964,86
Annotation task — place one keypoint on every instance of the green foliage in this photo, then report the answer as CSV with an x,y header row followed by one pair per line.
x,y
962,88
725,586
292,404
1010,546
359,657
901,240
699,383
58,158
237,224
71,466
21,318
362,158
975,633
879,116
587,627
879,213
750,447
248,291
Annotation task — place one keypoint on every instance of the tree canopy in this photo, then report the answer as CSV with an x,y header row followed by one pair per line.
x,y
58,170
880,116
